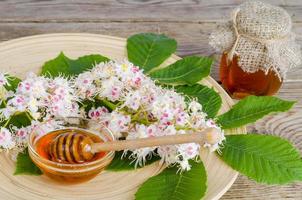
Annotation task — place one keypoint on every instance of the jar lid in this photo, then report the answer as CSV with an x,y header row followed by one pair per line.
x,y
260,35
263,21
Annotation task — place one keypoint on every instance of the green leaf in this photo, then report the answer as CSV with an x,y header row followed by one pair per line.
x,y
19,120
251,109
188,70
63,65
25,166
263,158
149,50
189,185
13,83
125,164
207,97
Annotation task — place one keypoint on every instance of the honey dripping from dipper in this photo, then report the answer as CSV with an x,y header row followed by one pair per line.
x,y
68,146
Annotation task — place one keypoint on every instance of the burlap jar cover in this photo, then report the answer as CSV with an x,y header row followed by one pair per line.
x,y
260,34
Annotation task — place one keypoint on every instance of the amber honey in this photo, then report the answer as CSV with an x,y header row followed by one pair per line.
x,y
65,172
42,145
240,84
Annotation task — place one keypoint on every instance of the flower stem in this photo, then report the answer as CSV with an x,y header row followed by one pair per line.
x,y
28,115
7,122
185,128
108,104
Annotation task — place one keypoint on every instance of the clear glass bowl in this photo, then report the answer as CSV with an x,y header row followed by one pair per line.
x,y
70,173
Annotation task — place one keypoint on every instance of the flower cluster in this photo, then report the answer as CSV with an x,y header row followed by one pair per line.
x,y
36,99
143,109
42,97
128,102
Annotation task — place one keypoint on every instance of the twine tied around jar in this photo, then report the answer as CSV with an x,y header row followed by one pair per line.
x,y
260,35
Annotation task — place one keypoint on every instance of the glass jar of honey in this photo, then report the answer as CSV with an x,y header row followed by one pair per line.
x,y
240,84
257,48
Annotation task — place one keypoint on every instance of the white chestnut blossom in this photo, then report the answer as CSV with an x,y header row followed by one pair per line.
x,y
6,140
147,110
128,102
111,89
195,107
141,131
3,80
98,114
4,93
55,97
188,151
168,154
21,135
85,89
118,123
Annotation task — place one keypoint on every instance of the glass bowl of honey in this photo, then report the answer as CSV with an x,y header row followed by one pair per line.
x,y
52,148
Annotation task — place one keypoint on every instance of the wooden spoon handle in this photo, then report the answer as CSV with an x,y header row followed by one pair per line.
x,y
117,145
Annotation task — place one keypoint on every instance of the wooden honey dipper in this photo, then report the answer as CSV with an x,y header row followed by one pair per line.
x,y
73,147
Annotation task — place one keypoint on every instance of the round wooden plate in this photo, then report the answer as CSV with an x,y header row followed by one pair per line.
x,y
27,54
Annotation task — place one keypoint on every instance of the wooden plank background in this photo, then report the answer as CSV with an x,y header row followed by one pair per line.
x,y
188,21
